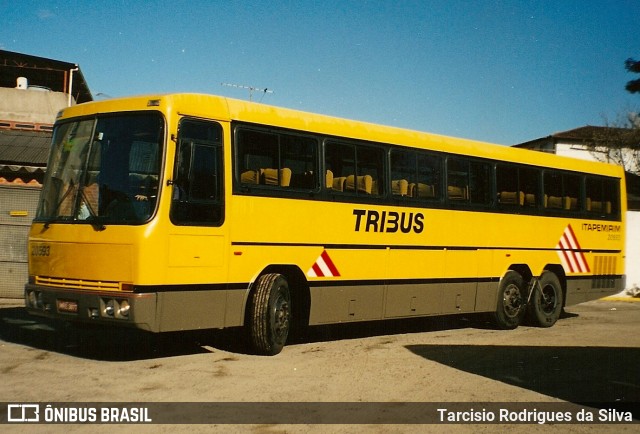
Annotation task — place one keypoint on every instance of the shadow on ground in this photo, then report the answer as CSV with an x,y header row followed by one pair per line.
x,y
576,374
92,342
118,344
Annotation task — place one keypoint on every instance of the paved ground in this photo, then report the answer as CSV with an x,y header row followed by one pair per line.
x,y
591,355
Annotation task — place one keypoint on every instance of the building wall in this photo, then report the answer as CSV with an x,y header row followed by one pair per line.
x,y
17,209
34,107
18,203
580,151
31,105
574,151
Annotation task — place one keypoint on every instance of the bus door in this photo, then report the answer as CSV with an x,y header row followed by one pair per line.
x,y
197,268
197,240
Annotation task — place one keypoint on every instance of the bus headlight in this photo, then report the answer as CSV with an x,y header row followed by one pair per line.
x,y
32,298
124,309
110,308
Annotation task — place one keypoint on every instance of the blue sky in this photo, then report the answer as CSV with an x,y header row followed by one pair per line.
x,y
502,71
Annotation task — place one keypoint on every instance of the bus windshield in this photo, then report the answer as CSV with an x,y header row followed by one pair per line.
x,y
103,170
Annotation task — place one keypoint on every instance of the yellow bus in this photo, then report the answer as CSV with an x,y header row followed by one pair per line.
x,y
186,211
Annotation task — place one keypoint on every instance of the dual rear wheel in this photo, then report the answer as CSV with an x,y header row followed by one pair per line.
x,y
542,309
545,305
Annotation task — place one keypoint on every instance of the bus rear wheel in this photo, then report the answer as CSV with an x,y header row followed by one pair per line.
x,y
510,309
546,301
269,315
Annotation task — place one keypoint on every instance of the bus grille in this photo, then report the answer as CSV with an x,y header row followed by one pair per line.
x,y
78,283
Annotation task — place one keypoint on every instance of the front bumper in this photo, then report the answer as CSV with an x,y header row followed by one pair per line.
x,y
114,308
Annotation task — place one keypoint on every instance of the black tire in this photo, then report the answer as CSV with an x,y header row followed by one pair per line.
x,y
511,303
269,314
545,306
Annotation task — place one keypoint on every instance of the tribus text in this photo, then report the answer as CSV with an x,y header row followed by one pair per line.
x,y
388,221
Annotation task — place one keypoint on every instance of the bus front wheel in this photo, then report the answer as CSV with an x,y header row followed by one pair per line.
x,y
546,301
510,309
269,315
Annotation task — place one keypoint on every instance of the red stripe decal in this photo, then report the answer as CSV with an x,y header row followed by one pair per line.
x,y
317,270
330,264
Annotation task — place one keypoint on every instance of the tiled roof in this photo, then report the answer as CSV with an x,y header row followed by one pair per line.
x,y
30,148
583,133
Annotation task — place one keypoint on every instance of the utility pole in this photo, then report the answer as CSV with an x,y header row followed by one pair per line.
x,y
251,89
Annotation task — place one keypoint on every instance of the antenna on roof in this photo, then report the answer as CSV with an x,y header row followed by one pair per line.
x,y
251,89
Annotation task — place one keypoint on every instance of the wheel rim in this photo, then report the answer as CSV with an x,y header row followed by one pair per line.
x,y
548,299
512,301
281,316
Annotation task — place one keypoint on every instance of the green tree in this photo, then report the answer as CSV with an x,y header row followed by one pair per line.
x,y
632,65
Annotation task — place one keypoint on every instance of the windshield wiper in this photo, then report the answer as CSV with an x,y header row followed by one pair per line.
x,y
54,213
93,217
64,197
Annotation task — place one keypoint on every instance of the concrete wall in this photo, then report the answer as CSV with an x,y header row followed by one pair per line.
x,y
31,105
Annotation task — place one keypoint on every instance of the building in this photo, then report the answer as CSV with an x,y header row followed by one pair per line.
x,y
579,143
32,91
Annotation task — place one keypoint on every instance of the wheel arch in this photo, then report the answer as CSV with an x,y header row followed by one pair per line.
x,y
299,291
527,275
523,270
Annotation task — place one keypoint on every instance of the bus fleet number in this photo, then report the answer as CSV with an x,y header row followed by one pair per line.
x,y
40,250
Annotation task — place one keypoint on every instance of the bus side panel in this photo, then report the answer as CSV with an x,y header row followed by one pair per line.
x,y
413,300
487,296
461,268
335,304
189,310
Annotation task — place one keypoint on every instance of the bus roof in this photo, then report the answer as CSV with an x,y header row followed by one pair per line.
x,y
228,109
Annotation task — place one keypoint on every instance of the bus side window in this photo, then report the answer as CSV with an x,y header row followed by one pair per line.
x,y
298,161
275,159
553,190
421,172
517,186
562,191
428,177
509,193
611,195
340,160
572,192
369,177
469,181
529,185
480,177
356,169
403,164
601,196
255,152
457,180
